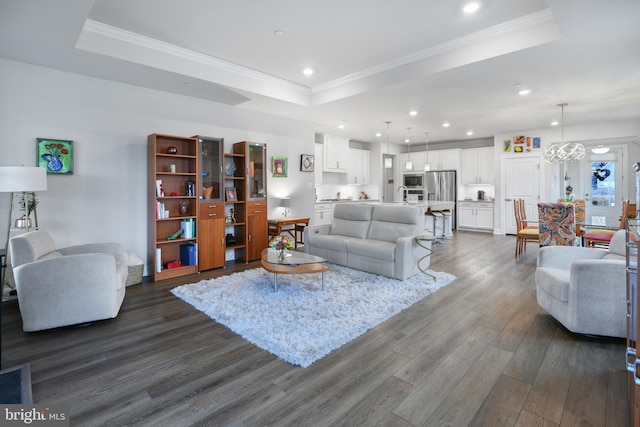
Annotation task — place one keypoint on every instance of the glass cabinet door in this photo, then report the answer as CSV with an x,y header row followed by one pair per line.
x,y
211,168
257,171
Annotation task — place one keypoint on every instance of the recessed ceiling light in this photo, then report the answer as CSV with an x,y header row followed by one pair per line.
x,y
341,125
307,71
524,92
278,32
554,123
446,124
471,7
600,149
378,134
469,133
413,113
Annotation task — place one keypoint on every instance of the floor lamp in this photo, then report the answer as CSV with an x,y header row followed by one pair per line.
x,y
20,179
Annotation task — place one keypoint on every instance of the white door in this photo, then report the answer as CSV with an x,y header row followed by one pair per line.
x,y
603,187
522,181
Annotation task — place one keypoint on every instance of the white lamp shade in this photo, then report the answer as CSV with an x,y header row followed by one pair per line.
x,y
285,202
14,179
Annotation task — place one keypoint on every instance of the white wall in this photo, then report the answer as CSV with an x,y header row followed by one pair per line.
x,y
109,122
615,134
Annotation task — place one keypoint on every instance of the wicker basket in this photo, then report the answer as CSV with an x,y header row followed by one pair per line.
x,y
136,267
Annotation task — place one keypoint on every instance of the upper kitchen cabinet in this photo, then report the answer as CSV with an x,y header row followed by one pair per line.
x,y
477,166
359,171
335,153
444,159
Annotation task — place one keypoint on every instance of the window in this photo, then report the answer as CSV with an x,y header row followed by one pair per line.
x,y
603,183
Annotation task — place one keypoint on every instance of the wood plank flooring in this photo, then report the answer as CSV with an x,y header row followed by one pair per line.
x,y
479,352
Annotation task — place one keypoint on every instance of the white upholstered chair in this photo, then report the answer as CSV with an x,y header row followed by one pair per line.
x,y
585,288
68,286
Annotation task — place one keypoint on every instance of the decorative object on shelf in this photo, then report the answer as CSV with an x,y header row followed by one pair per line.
x,y
280,244
189,188
229,167
184,208
207,192
172,168
279,166
231,239
230,194
231,218
306,162
172,150
563,152
285,203
175,235
55,155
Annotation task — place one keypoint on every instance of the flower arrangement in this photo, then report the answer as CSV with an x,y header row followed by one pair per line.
x,y
281,243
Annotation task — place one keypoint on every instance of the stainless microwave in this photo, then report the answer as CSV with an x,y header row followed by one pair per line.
x,y
414,180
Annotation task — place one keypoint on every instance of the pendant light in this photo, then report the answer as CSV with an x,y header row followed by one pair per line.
x,y
388,162
408,165
427,166
563,152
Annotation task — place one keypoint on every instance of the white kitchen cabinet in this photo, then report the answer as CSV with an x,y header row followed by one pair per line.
x,y
475,216
417,161
335,154
323,213
318,165
444,159
359,168
477,166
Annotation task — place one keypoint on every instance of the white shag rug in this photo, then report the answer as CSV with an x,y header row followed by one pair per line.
x,y
300,323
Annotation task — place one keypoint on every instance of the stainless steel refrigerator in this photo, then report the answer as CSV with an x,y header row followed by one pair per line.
x,y
442,186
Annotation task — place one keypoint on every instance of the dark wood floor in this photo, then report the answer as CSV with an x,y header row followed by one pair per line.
x,y
478,352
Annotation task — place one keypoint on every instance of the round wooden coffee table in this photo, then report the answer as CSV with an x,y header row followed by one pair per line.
x,y
294,263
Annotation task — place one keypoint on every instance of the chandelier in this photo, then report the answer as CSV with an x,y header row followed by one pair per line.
x,y
563,152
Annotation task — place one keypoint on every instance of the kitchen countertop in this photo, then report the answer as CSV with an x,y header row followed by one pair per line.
x,y
477,201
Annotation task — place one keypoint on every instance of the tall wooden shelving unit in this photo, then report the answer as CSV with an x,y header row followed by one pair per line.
x,y
160,159
255,197
235,177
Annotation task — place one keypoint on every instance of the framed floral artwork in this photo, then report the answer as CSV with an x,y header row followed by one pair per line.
x,y
306,162
56,155
279,167
230,194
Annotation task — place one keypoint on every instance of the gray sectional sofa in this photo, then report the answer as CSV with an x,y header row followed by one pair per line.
x,y
379,239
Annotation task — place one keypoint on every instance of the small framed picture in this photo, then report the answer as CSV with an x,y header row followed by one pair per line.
x,y
306,162
279,167
56,155
230,194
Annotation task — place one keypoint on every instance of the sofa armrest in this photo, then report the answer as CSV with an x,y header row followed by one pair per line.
x,y
115,249
564,256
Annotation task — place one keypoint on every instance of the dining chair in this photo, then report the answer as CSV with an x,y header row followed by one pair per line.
x,y
526,233
557,224
599,238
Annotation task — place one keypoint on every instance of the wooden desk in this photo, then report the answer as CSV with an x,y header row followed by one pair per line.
x,y
290,225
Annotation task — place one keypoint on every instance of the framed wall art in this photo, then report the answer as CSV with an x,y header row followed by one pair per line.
x,y
279,167
306,162
56,155
230,194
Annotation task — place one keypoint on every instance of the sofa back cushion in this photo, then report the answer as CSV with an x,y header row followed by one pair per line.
x,y
391,222
30,247
351,220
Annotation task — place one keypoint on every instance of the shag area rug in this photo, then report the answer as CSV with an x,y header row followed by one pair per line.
x,y
300,323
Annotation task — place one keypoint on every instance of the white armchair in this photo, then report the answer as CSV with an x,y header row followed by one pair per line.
x,y
585,288
60,287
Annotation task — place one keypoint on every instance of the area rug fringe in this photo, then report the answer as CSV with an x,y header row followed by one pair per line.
x,y
301,323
